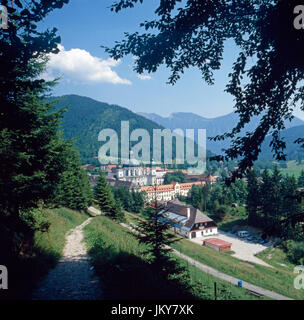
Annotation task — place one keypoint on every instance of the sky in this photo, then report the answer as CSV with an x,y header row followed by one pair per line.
x,y
85,68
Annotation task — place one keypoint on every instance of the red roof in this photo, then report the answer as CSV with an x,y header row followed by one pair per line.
x,y
218,242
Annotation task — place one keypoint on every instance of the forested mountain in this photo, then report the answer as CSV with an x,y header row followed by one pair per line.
x,y
293,151
213,126
85,118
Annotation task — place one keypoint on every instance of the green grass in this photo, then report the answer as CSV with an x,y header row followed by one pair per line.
x,y
277,279
118,260
277,258
27,270
61,221
293,168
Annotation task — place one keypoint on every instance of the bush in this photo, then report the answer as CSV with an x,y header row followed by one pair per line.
x,y
294,251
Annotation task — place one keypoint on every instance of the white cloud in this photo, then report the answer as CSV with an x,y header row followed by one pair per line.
x,y
79,64
144,77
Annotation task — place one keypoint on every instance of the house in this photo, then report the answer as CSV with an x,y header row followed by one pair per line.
x,y
168,192
187,221
217,244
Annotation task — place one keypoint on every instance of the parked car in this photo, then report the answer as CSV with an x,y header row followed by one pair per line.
x,y
233,231
263,241
250,238
243,234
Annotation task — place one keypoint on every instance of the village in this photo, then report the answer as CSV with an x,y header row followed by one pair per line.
x,y
184,220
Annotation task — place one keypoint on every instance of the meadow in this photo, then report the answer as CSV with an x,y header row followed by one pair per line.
x,y
119,261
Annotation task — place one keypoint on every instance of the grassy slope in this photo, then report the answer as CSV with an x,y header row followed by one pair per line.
x,y
118,261
276,279
293,168
48,249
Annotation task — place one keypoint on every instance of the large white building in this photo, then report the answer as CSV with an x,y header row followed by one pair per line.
x,y
137,175
187,221
168,192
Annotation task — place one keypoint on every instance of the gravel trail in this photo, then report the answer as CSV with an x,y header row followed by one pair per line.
x,y
73,278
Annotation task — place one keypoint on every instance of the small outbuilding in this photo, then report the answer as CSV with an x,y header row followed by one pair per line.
x,y
217,244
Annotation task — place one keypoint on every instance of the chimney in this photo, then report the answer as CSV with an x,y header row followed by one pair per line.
x,y
188,213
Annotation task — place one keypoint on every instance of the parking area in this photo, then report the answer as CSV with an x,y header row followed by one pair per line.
x,y
243,249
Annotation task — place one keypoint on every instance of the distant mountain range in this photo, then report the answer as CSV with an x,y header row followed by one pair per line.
x,y
293,151
86,117
220,125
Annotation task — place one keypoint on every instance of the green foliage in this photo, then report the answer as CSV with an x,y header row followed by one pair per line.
x,y
31,149
85,118
220,211
253,196
73,190
130,200
186,36
301,179
119,261
36,258
204,197
272,204
177,176
295,251
105,199
103,194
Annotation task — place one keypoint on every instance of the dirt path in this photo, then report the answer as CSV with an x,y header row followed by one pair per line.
x,y
73,278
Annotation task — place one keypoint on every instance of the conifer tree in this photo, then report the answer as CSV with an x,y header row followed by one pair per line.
x,y
153,233
116,212
31,149
253,197
301,179
104,195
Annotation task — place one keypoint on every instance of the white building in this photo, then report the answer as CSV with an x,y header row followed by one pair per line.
x,y
187,221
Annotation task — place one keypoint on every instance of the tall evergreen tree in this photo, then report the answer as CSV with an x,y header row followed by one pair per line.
x,y
275,193
73,190
30,147
266,197
290,207
301,179
104,196
252,201
153,233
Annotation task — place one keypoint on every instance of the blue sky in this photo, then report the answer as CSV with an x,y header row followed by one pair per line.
x,y
86,69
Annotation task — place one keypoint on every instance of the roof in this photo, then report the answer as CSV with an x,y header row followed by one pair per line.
x,y
218,242
170,187
177,212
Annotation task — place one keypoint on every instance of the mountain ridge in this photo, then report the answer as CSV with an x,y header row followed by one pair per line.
x,y
214,126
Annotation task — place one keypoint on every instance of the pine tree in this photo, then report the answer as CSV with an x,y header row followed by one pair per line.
x,y
301,179
116,212
252,201
31,149
104,195
290,207
73,190
266,197
276,198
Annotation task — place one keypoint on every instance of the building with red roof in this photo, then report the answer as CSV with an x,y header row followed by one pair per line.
x,y
168,192
217,244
